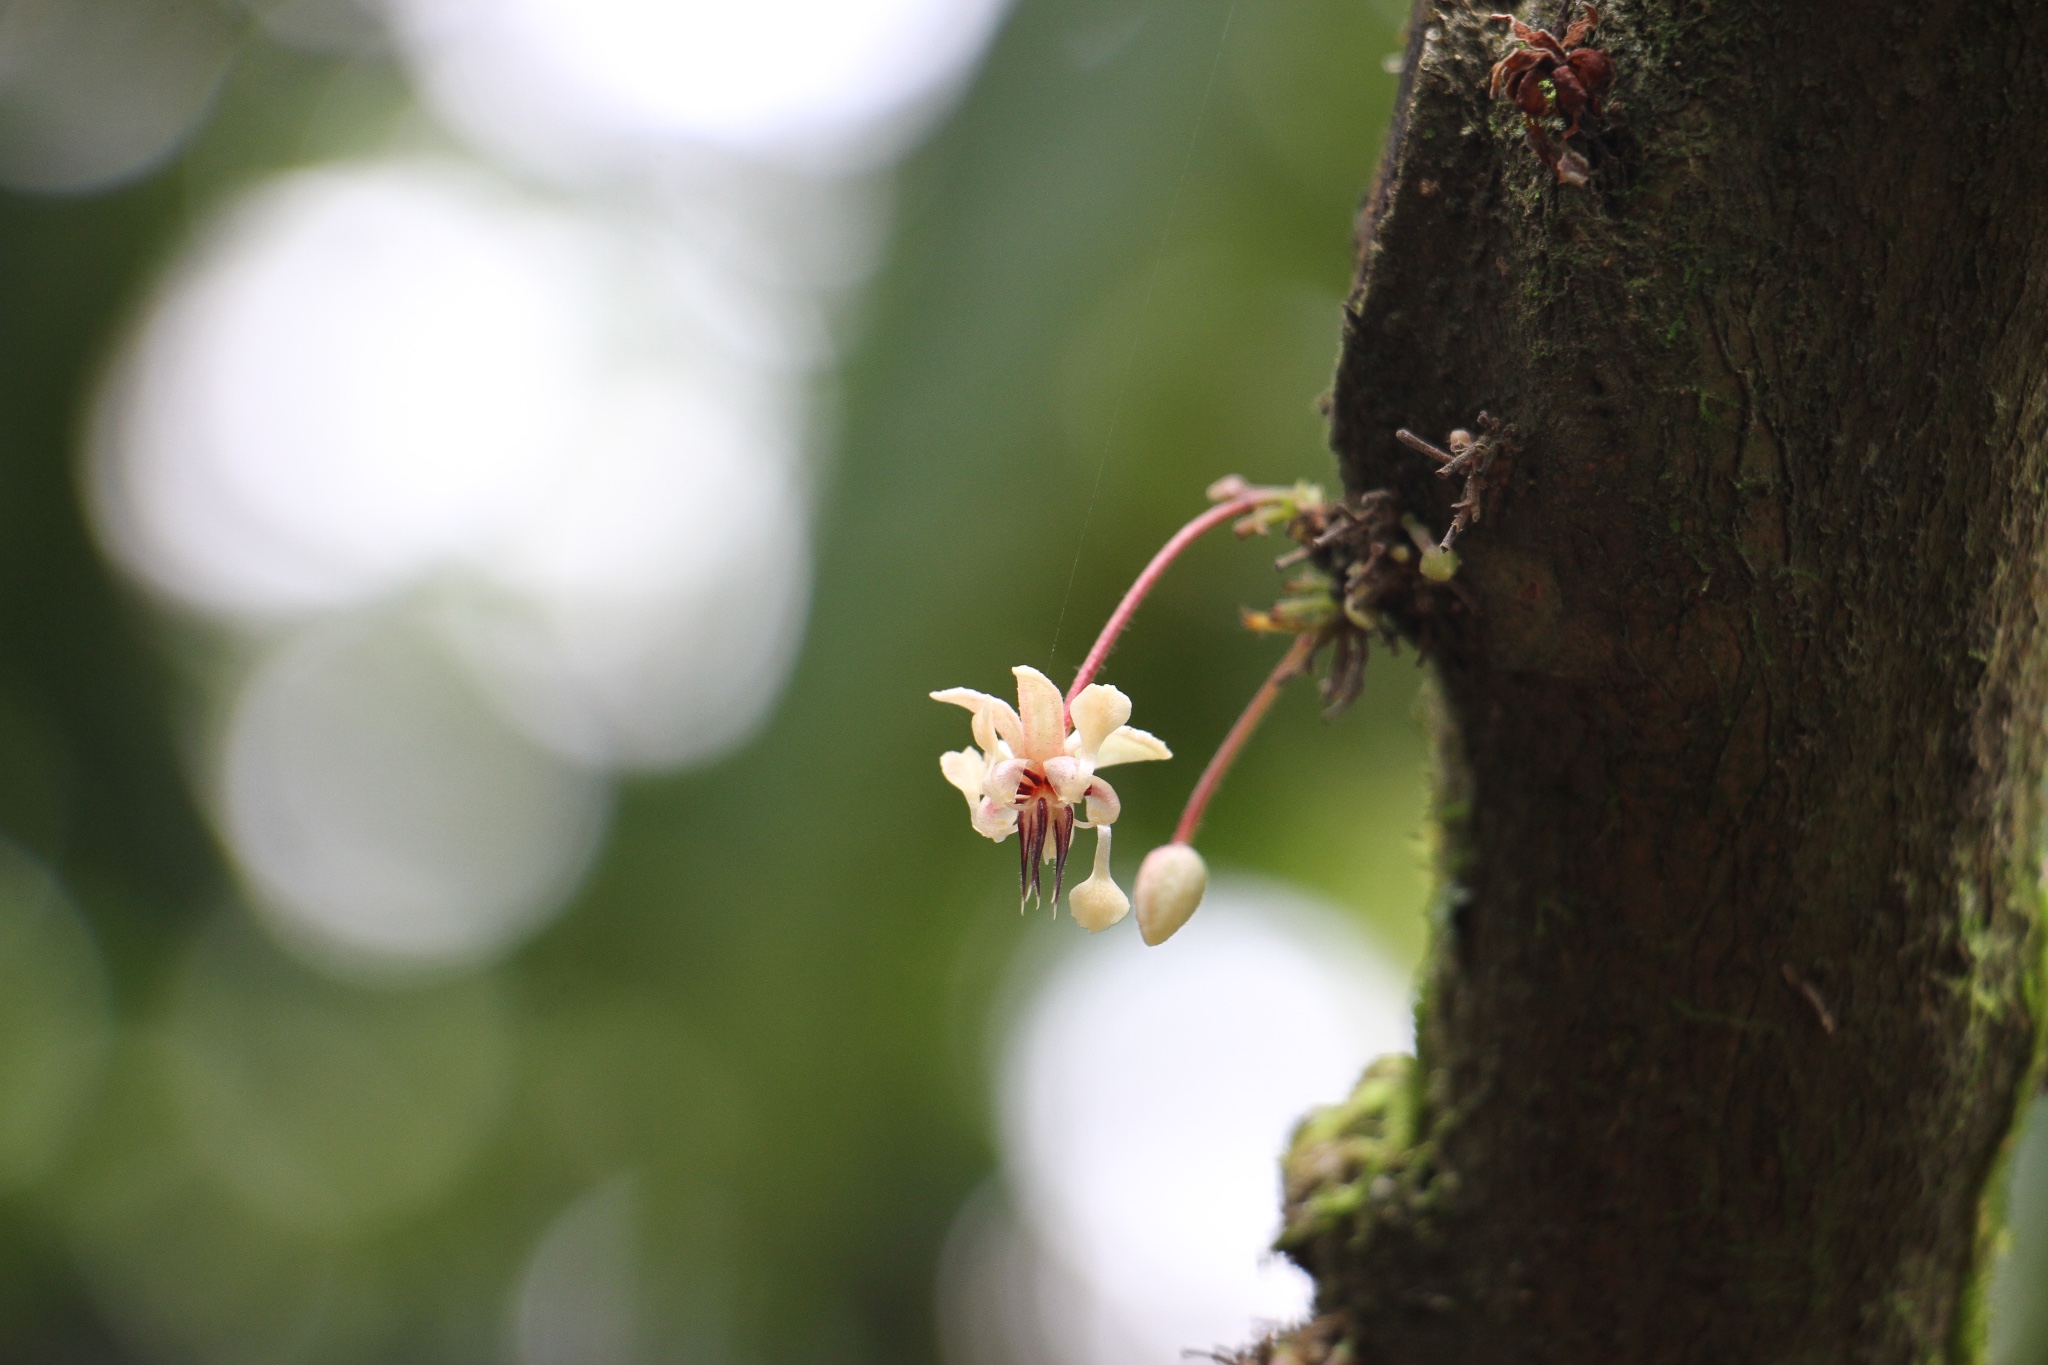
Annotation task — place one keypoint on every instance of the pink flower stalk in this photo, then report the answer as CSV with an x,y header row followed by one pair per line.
x,y
1235,499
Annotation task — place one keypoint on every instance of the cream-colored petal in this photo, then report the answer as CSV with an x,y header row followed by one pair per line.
x,y
996,726
1003,780
994,718
1171,881
1043,713
966,769
1103,805
1098,712
993,821
1069,778
964,696
1098,902
1127,745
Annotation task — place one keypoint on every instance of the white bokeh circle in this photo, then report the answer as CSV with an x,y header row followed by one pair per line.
x,y
377,379
361,374
816,83
1146,1098
647,616
383,813
96,93
577,1299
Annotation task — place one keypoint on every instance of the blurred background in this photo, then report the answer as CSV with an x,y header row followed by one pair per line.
x,y
485,488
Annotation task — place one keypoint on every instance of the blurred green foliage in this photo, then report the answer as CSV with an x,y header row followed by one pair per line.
x,y
1114,275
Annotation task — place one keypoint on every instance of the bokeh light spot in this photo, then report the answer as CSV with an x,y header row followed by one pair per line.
x,y
576,1299
325,1106
362,374
384,813
650,612
97,92
1147,1095
814,82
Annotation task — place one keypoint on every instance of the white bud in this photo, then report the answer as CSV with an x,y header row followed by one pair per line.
x,y
1171,881
1099,902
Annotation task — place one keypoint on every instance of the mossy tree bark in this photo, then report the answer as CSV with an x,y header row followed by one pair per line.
x,y
1733,992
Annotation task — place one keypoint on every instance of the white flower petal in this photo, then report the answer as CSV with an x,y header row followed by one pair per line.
x,y
1003,780
1127,745
992,821
1043,713
1103,804
1098,712
966,769
1069,778
993,717
964,696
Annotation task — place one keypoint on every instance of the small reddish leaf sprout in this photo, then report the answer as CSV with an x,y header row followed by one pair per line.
x,y
1547,74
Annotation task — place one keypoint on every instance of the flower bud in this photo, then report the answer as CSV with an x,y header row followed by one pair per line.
x,y
1098,902
1170,885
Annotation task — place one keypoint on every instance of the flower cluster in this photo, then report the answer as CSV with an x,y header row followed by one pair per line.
x,y
1033,769
1031,766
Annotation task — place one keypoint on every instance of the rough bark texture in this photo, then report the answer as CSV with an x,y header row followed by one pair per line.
x,y
1732,999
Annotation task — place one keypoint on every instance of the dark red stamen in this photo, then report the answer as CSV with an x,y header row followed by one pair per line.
x,y
1032,823
1023,859
1062,841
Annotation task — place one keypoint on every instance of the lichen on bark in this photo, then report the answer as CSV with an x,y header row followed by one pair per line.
x,y
1732,991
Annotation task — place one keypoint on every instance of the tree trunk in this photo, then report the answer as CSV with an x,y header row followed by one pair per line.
x,y
1732,997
